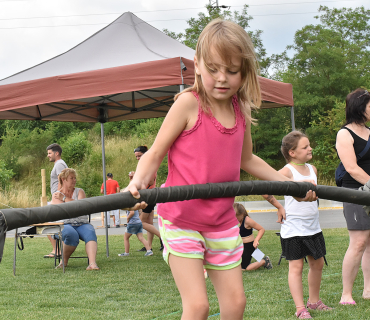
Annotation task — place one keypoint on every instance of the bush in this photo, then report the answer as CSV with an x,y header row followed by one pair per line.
x,y
75,148
149,128
124,128
322,135
60,130
18,144
5,175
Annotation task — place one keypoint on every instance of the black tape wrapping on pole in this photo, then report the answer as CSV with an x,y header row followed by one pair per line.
x,y
21,217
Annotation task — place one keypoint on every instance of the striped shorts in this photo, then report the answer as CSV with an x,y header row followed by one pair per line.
x,y
220,250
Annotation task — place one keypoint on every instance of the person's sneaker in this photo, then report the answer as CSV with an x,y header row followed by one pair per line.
x,y
148,253
125,254
142,249
268,264
319,305
118,226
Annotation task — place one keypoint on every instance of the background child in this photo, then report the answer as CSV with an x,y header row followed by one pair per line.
x,y
207,134
249,242
134,226
300,232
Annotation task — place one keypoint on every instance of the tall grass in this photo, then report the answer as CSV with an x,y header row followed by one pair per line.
x,y
20,197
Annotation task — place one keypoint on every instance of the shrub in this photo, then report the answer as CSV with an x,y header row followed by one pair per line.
x,y
5,175
75,148
60,130
149,128
18,144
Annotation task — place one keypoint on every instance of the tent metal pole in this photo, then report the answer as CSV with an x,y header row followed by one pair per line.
x,y
182,87
292,117
105,187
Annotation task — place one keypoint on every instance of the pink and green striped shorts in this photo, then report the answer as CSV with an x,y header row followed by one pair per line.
x,y
220,250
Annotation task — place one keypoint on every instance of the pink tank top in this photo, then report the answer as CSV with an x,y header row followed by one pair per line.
x,y
207,153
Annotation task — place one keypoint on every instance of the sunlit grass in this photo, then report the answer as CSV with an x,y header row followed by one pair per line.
x,y
141,287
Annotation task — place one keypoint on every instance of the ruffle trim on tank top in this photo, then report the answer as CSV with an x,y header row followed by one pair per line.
x,y
215,122
199,120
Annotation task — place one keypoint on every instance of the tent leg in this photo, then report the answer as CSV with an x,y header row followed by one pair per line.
x,y
104,184
292,118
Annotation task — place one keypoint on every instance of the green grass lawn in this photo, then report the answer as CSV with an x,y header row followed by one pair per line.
x,y
139,287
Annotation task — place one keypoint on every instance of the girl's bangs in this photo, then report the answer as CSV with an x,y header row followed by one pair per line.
x,y
224,49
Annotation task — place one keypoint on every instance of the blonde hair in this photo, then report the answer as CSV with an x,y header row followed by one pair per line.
x,y
229,40
239,209
290,142
65,173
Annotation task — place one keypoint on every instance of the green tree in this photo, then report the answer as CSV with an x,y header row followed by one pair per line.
x,y
322,135
76,148
5,175
331,59
21,148
196,26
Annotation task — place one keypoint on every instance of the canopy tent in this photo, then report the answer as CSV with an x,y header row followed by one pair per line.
x,y
127,70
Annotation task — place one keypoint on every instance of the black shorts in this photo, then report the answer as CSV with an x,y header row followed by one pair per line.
x,y
149,208
296,248
356,217
247,254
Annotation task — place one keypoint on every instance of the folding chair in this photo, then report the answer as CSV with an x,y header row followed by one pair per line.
x,y
39,230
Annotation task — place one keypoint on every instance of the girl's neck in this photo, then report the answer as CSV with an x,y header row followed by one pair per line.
x,y
297,163
221,104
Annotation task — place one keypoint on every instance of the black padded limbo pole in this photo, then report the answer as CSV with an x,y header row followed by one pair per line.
x,y
16,218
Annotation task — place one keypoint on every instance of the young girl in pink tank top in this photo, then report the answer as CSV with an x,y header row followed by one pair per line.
x,y
207,134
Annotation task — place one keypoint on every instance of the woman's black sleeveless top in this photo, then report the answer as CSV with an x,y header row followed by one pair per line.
x,y
243,231
359,144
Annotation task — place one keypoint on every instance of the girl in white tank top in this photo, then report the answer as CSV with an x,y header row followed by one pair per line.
x,y
300,232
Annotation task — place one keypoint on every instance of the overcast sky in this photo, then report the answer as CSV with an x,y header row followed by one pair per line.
x,y
32,31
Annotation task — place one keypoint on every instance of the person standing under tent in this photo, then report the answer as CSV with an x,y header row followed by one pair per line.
x,y
54,153
112,187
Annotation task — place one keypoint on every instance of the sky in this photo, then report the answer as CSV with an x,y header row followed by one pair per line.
x,y
32,31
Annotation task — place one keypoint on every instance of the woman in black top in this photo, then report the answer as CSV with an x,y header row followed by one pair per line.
x,y
351,140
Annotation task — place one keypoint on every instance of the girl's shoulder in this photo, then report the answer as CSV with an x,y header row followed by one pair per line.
x,y
313,168
186,107
286,172
186,102
248,220
188,97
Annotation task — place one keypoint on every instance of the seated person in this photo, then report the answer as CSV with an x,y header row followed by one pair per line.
x,y
75,228
249,241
